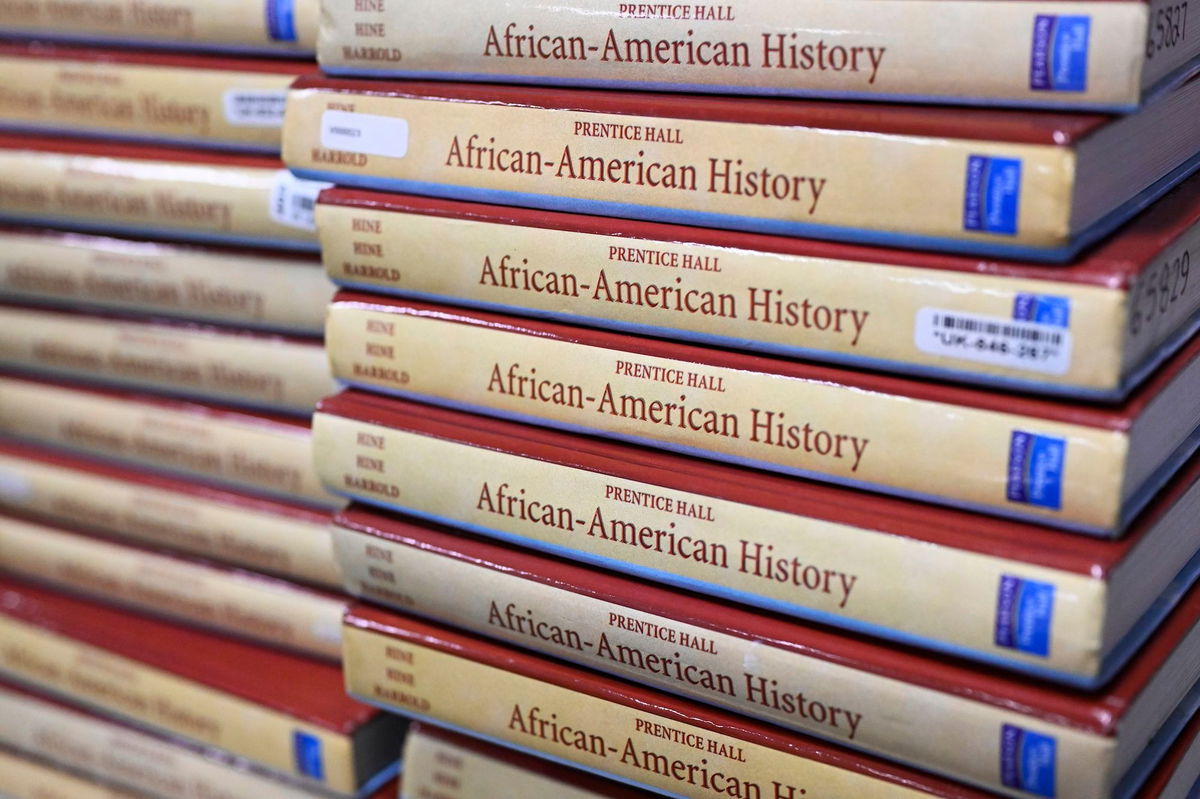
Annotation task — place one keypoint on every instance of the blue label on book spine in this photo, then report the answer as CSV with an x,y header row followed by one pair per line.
x,y
993,187
1027,760
1043,309
281,20
307,750
1059,54
1024,612
1035,469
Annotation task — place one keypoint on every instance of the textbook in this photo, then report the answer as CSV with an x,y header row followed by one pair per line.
x,y
819,553
264,610
268,372
1072,465
831,685
1011,184
1072,54
262,27
250,452
199,101
1094,328
135,759
25,778
285,713
155,191
280,538
279,291
679,747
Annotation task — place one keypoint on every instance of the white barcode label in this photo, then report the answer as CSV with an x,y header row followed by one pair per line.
x,y
262,108
371,134
1034,346
294,200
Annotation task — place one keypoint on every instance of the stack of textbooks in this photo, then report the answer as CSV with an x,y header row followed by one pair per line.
x,y
170,607
734,411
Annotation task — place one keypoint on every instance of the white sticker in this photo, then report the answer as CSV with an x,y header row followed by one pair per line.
x,y
262,108
1034,346
15,486
364,133
294,200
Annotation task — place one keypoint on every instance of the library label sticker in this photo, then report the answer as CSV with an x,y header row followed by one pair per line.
x,y
1035,339
369,134
294,200
261,108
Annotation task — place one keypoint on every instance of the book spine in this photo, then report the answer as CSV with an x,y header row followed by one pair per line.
x,y
242,536
166,702
920,448
953,735
267,611
268,25
793,180
159,102
237,451
434,767
212,286
948,51
825,571
816,307
263,372
27,779
127,757
1171,43
208,202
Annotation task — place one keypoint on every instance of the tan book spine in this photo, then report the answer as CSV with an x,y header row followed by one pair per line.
x,y
169,703
239,451
278,293
124,756
290,547
269,372
27,779
157,101
225,23
206,201
798,175
908,446
819,307
855,576
269,611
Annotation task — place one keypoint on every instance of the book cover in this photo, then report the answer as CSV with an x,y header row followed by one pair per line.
x,y
263,27
246,604
1093,328
282,374
234,103
834,686
238,449
1002,183
133,758
155,191
286,713
1072,54
286,539
249,288
1072,465
622,730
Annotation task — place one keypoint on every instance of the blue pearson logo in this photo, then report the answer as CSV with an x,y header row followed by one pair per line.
x,y
1024,612
1035,469
1059,55
1027,760
991,194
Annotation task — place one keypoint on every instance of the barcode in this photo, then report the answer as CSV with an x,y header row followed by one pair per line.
x,y
302,203
997,329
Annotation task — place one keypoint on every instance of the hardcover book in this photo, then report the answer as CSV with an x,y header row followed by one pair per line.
x,y
833,686
269,372
264,27
251,452
261,609
1076,54
1009,594
1071,465
1094,328
1011,184
248,288
156,191
119,754
285,539
282,712
682,748
179,99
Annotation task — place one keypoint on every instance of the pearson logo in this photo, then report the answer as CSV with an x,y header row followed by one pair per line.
x,y
1059,54
991,194
1027,760
1035,469
281,20
306,749
1024,611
